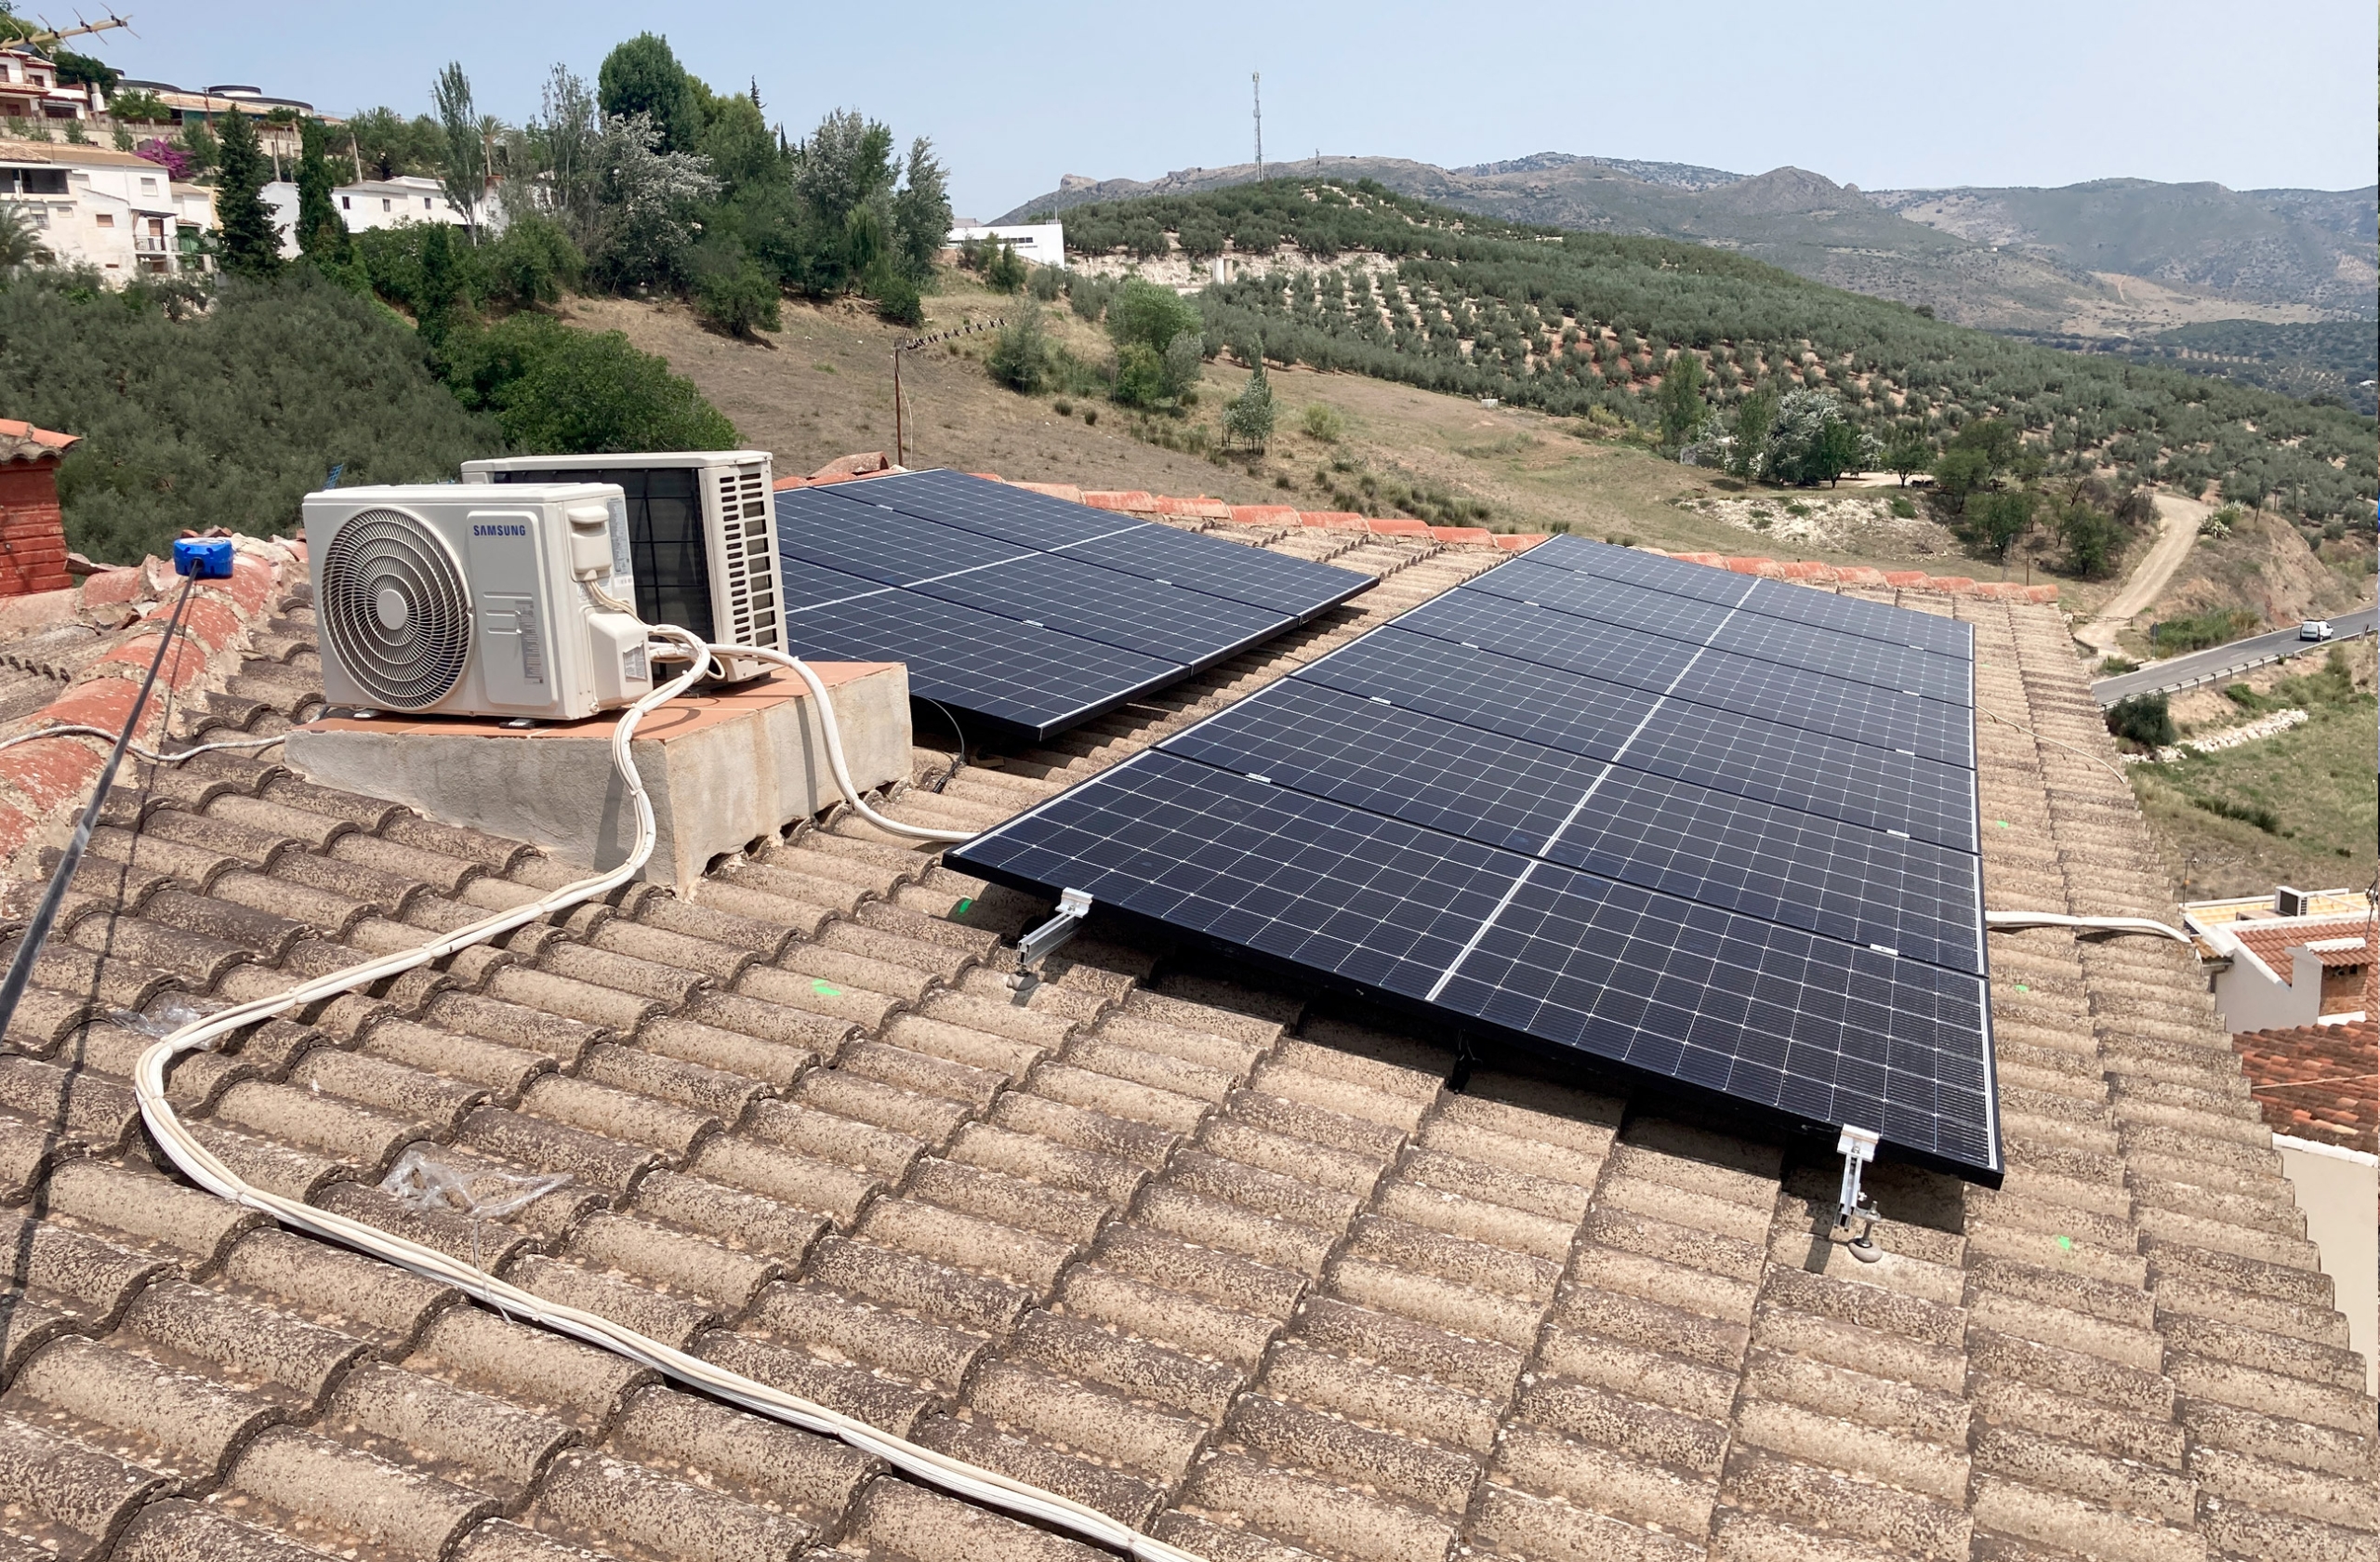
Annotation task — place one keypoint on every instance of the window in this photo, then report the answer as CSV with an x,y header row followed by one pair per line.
x,y
384,204
425,203
347,203
147,187
106,220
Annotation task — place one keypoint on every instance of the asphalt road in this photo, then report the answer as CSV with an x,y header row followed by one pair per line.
x,y
2201,667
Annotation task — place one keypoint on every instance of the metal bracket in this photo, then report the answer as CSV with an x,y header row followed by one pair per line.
x,y
1857,1146
1043,941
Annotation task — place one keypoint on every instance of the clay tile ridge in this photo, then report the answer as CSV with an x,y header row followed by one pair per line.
x,y
20,441
41,783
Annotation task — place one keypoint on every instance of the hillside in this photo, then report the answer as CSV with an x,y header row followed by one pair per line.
x,y
2270,246
2113,258
821,388
1361,279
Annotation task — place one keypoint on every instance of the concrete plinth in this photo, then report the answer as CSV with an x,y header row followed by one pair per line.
x,y
722,769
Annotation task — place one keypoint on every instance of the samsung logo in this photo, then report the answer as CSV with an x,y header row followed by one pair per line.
x,y
499,531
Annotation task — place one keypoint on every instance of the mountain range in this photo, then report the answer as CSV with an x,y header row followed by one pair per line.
x,y
2109,258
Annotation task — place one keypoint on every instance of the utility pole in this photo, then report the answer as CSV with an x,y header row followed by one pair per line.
x,y
900,407
1256,90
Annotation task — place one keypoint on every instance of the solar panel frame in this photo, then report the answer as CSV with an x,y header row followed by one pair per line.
x,y
1734,818
1029,613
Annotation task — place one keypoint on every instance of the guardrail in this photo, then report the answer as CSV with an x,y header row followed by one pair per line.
x,y
2295,648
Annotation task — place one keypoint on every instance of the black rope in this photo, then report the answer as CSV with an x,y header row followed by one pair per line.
x,y
37,934
958,764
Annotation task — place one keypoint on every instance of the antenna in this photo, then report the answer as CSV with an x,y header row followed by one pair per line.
x,y
1256,90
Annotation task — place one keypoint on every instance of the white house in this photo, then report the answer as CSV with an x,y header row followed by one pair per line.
x,y
2285,961
94,206
30,91
369,204
1044,243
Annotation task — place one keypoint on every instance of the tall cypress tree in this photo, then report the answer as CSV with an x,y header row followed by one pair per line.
x,y
251,244
322,233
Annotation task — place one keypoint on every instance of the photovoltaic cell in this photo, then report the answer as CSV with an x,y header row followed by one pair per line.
x,y
1021,609
1601,801
1774,599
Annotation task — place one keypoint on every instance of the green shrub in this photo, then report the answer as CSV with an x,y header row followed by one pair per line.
x,y
736,296
1140,376
581,393
898,302
2195,631
1153,317
2147,719
1003,271
532,264
224,416
1903,507
1044,285
1088,296
1020,351
1321,421
2095,541
2253,813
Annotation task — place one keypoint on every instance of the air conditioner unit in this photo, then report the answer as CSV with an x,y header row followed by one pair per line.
x,y
2287,902
702,537
470,600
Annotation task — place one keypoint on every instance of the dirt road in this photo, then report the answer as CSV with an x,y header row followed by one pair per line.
x,y
2180,519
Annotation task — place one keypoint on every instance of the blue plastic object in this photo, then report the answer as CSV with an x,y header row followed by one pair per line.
x,y
208,558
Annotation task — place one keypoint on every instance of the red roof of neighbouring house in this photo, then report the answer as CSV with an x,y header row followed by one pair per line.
x,y
2318,1082
2273,943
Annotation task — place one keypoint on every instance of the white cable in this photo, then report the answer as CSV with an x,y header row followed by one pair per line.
x,y
2012,921
835,747
955,1475
149,754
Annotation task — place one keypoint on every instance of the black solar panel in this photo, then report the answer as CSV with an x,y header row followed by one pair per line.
x,y
1023,610
1637,819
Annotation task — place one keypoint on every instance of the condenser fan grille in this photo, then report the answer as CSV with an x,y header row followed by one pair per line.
x,y
395,608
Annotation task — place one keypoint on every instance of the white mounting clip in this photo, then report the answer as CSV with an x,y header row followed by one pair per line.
x,y
1857,1146
1036,946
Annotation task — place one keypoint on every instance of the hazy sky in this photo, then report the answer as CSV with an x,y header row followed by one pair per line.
x,y
2276,93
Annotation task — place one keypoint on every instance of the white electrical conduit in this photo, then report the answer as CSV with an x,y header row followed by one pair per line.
x,y
149,754
954,1476
2015,922
835,747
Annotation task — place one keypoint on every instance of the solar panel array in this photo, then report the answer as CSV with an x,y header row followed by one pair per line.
x,y
1023,610
1712,828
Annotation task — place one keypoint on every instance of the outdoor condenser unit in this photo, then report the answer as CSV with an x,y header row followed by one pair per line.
x,y
702,537
470,599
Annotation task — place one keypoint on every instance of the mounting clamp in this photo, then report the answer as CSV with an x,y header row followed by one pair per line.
x,y
1857,1146
1037,945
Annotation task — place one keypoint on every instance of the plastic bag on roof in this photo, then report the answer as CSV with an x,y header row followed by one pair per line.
x,y
171,1014
430,1183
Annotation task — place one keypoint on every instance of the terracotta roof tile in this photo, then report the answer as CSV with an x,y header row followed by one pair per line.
x,y
2318,1082
2276,945
1221,1258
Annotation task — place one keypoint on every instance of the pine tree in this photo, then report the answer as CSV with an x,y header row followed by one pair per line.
x,y
1250,417
251,244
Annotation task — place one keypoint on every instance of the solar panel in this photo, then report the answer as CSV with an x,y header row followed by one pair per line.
x,y
1603,810
1027,612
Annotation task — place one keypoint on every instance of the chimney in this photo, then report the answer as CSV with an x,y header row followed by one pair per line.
x,y
33,530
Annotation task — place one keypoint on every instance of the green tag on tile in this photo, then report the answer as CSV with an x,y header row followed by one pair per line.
x,y
2002,823
961,909
2021,987
2066,1244
823,988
